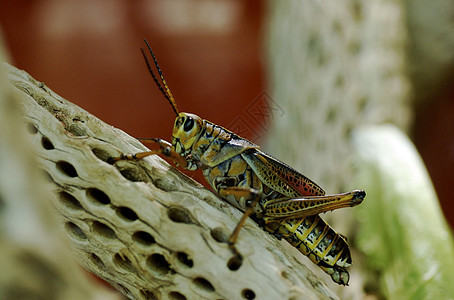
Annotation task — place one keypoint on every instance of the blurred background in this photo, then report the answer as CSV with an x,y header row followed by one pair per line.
x,y
211,53
89,51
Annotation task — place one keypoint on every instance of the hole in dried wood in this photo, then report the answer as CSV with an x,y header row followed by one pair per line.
x,y
101,154
203,284
66,168
315,50
184,259
75,231
219,235
158,263
97,196
32,129
357,9
123,262
166,185
149,295
143,238
46,143
126,213
177,296
179,215
354,47
69,201
248,294
97,261
331,115
103,230
235,262
2,202
124,290
348,128
362,104
78,129
134,174
340,80
285,275
337,28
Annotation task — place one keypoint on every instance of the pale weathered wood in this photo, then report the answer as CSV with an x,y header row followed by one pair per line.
x,y
143,226
35,261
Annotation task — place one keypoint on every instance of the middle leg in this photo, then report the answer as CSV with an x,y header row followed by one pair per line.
x,y
252,198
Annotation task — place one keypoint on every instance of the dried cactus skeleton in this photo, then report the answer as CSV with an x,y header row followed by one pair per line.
x,y
143,226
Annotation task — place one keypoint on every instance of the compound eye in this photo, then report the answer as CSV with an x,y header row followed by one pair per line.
x,y
188,124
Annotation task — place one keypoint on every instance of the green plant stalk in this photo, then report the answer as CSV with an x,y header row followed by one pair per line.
x,y
403,231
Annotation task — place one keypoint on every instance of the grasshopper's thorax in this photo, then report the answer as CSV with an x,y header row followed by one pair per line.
x,y
197,140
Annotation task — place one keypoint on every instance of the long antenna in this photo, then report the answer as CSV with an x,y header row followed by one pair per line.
x,y
166,92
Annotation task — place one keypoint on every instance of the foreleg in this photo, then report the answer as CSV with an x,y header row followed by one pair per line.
x,y
165,149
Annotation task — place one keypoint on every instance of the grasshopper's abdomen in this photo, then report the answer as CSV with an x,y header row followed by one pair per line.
x,y
313,237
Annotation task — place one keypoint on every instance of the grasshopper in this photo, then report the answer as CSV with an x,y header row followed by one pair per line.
x,y
281,200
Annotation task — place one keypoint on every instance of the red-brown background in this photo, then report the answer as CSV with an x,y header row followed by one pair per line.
x,y
211,53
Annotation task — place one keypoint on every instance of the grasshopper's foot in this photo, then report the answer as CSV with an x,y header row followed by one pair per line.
x,y
112,160
165,149
341,277
236,261
339,274
358,197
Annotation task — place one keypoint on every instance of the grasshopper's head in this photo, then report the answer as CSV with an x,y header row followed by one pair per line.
x,y
186,131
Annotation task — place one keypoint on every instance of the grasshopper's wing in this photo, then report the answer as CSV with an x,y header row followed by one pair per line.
x,y
226,146
279,176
